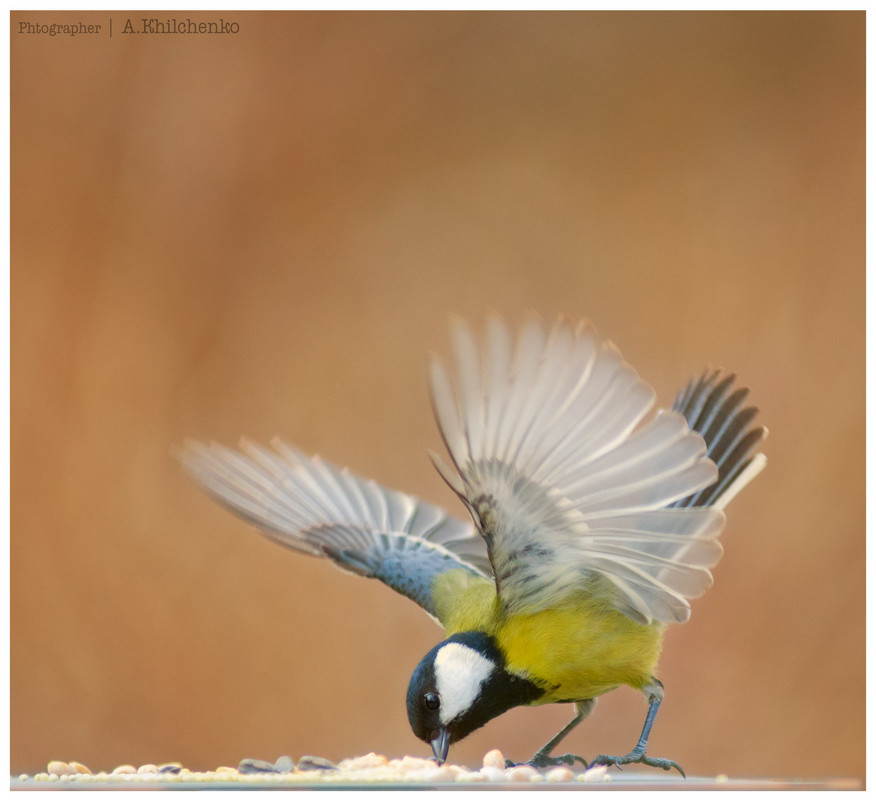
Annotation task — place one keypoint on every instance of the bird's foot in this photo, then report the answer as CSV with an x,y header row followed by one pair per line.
x,y
637,757
542,760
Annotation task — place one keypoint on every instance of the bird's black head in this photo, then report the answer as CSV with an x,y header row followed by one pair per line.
x,y
460,685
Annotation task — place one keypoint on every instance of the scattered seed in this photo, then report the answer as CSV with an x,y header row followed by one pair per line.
x,y
284,765
493,774
598,773
315,763
367,769
371,760
494,759
470,776
410,765
255,766
521,773
559,774
441,773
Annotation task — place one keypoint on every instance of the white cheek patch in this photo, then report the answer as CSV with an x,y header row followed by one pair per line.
x,y
459,673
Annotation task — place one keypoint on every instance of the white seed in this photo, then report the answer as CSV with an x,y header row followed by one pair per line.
x,y
123,769
439,773
598,773
494,759
78,767
560,774
410,763
520,773
493,774
58,768
143,769
371,760
472,776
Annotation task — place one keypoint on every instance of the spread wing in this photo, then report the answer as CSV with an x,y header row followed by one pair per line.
x,y
569,490
313,507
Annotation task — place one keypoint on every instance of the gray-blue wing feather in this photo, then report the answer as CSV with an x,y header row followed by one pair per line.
x,y
316,508
407,564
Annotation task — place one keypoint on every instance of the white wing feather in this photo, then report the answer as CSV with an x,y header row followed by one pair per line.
x,y
314,507
566,490
569,490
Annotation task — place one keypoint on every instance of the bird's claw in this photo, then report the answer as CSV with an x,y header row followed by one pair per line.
x,y
635,757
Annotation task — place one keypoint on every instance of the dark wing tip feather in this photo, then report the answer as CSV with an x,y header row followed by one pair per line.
x,y
726,426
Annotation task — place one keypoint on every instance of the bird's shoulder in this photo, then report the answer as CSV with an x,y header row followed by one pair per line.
x,y
464,601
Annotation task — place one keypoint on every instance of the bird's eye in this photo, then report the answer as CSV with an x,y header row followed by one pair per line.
x,y
432,701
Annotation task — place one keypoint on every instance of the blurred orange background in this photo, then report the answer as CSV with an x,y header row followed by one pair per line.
x,y
264,233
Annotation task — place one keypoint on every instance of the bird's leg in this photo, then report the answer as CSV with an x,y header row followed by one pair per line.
x,y
654,694
542,757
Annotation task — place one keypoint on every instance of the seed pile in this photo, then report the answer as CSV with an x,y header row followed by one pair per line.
x,y
369,769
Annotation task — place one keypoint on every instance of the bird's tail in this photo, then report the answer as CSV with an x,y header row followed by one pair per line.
x,y
718,413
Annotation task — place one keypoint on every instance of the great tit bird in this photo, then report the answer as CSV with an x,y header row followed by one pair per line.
x,y
591,527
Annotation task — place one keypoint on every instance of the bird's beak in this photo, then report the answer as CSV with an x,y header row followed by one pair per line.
x,y
441,745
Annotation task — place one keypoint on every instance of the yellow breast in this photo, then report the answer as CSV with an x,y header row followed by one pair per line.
x,y
580,650
577,650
